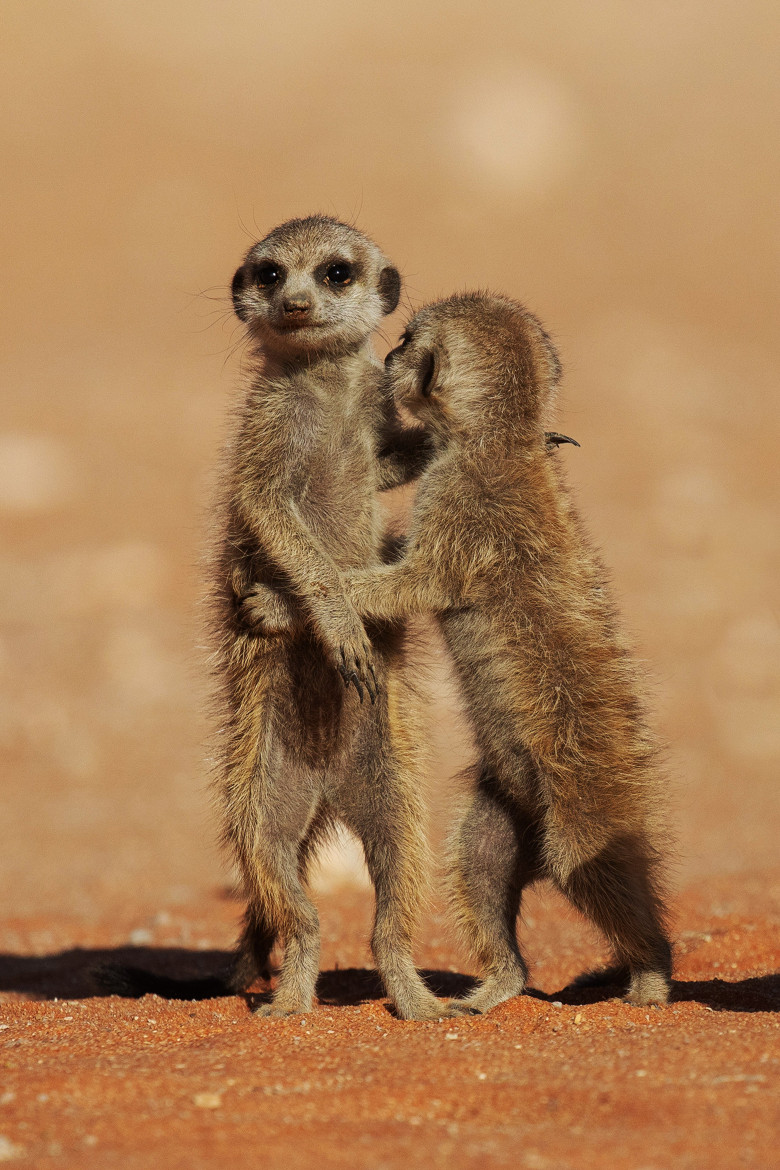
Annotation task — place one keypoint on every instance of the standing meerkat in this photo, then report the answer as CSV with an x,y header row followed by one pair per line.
x,y
568,785
317,436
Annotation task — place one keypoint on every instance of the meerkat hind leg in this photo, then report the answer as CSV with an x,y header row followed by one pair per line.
x,y
396,855
258,936
253,951
493,857
281,901
615,890
300,965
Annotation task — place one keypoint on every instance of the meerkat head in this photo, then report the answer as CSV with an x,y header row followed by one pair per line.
x,y
312,286
475,367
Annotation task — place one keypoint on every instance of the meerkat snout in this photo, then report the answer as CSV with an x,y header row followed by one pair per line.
x,y
296,306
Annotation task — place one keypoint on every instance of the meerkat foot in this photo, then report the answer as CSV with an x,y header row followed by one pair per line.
x,y
425,1008
278,1011
493,991
648,987
412,1000
459,1007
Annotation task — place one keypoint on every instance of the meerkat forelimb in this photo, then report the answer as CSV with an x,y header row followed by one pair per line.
x,y
569,784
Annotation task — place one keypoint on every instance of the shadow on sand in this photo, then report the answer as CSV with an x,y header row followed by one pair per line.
x,y
759,994
178,973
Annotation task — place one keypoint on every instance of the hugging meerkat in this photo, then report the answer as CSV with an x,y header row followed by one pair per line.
x,y
317,437
568,786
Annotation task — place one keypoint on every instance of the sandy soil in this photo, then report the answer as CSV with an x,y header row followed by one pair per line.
x,y
552,1079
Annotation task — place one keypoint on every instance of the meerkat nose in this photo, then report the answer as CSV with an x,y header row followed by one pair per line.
x,y
297,306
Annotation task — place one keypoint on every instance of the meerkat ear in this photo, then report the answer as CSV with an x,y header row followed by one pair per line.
x,y
236,289
389,288
429,372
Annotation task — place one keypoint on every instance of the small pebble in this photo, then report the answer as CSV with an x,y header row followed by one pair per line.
x,y
451,1036
207,1100
9,1150
578,1018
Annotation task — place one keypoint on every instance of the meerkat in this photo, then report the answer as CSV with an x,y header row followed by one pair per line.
x,y
568,785
316,438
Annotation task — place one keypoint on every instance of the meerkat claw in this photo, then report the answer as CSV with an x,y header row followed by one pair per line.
x,y
553,437
460,1008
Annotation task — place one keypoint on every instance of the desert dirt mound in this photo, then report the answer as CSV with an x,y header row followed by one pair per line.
x,y
552,1079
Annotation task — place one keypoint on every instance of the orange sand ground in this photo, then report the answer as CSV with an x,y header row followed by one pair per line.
x,y
93,1082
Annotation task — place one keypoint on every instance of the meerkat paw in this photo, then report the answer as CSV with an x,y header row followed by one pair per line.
x,y
431,1010
346,643
488,995
279,1011
461,1007
264,611
355,663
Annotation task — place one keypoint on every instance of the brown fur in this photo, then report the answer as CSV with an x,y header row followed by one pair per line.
x,y
568,783
316,438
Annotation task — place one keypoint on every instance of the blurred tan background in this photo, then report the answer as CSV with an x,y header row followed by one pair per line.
x,y
615,165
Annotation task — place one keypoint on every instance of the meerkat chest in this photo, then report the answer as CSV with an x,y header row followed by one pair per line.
x,y
338,488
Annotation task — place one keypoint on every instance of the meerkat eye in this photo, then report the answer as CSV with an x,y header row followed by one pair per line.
x,y
267,275
427,370
339,274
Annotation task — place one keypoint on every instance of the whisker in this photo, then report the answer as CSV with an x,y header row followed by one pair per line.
x,y
242,225
220,319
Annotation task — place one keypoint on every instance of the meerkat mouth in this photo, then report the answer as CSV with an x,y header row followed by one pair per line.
x,y
297,326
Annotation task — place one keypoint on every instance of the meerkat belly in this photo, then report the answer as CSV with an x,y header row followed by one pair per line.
x,y
490,679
